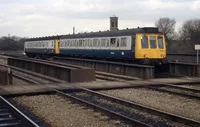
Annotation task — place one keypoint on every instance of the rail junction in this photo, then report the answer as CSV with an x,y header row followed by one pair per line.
x,y
82,81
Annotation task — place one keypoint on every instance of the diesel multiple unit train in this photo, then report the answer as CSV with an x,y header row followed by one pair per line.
x,y
140,44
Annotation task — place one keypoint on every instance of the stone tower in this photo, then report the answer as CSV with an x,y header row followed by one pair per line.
x,y
113,23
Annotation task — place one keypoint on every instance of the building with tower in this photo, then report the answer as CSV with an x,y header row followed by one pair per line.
x,y
113,23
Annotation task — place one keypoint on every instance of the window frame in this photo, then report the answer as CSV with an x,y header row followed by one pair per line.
x,y
162,42
150,42
147,44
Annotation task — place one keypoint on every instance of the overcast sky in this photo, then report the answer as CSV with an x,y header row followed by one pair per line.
x,y
31,18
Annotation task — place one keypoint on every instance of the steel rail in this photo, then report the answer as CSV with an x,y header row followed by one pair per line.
x,y
166,85
11,116
173,92
123,117
165,115
180,88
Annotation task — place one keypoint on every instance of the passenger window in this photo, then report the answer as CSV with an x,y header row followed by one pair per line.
x,y
95,43
77,43
66,43
91,43
160,43
69,43
80,43
117,42
74,42
123,42
85,43
107,41
88,42
103,42
52,44
144,41
99,43
112,42
153,42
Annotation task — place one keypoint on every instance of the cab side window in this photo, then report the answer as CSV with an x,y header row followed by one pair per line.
x,y
160,43
144,42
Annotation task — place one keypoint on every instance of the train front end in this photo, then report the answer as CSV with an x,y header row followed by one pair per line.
x,y
150,48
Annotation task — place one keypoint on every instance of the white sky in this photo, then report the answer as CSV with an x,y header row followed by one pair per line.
x,y
31,18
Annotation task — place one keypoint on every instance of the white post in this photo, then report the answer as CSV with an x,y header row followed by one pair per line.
x,y
197,47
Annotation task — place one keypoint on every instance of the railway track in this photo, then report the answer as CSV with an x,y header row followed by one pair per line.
x,y
139,115
10,116
113,77
132,113
163,87
176,90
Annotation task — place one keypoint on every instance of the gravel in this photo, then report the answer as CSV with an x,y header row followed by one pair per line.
x,y
60,112
163,101
154,120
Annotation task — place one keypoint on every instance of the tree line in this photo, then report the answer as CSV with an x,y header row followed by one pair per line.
x,y
11,43
182,41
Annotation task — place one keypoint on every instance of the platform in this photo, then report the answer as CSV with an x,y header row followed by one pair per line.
x,y
13,90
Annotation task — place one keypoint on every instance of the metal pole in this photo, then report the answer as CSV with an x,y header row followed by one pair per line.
x,y
197,56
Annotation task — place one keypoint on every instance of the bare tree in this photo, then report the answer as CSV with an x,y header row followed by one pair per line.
x,y
11,43
190,31
167,27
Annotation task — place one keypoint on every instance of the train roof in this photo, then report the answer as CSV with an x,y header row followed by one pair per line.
x,y
125,32
44,38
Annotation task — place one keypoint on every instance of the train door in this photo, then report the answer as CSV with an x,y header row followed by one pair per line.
x,y
133,43
57,47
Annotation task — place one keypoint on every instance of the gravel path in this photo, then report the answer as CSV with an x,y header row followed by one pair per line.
x,y
163,101
60,112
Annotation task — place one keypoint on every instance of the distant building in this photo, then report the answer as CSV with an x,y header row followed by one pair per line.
x,y
113,23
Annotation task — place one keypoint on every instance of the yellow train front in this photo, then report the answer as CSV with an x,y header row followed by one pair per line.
x,y
150,48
